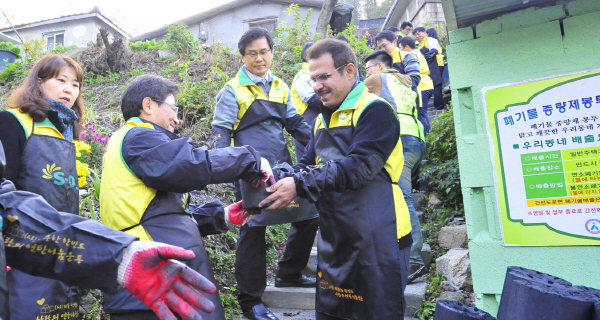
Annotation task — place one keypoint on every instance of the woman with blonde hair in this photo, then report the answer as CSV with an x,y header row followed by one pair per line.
x,y
43,119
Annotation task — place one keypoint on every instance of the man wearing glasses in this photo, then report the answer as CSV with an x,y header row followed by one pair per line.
x,y
351,168
147,172
407,63
252,109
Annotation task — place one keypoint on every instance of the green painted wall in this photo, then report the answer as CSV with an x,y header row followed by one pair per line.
x,y
523,45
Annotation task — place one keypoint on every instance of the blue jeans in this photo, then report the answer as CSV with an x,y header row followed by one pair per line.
x,y
414,150
423,115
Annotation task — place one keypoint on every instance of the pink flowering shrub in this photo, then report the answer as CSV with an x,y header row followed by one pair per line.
x,y
97,141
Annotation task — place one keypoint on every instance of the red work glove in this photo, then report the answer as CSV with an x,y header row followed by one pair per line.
x,y
149,274
267,174
236,213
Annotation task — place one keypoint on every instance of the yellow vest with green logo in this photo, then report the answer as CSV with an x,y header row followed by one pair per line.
x,y
298,102
349,116
247,91
438,56
44,128
402,99
120,180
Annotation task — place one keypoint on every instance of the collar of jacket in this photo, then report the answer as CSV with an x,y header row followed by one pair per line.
x,y
353,96
305,66
137,122
249,78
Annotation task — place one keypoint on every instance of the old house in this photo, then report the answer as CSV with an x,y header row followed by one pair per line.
x,y
417,12
228,22
76,29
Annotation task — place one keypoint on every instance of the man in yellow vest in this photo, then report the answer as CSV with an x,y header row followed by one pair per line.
x,y
252,109
147,173
425,87
305,100
351,168
392,86
407,64
431,49
98,257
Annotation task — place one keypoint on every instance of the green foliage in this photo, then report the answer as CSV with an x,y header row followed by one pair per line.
x,y
275,239
441,170
92,79
221,251
9,46
34,49
12,74
358,44
435,219
441,31
181,40
136,71
149,45
61,49
289,42
426,311
431,293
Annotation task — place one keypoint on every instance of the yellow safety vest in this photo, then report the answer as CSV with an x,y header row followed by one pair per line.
x,y
402,99
426,83
348,115
438,56
124,197
298,102
44,128
247,91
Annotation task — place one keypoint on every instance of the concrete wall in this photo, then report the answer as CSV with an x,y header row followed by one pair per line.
x,y
420,11
228,27
77,32
523,45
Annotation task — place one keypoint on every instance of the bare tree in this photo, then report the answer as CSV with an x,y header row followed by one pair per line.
x,y
325,16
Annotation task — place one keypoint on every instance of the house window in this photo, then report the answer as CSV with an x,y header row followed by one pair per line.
x,y
269,23
54,39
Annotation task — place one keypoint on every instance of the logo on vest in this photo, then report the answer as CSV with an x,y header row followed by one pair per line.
x,y
53,172
344,115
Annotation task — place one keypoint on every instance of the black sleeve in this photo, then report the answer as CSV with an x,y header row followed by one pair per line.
x,y
375,137
12,136
297,127
176,166
219,138
57,245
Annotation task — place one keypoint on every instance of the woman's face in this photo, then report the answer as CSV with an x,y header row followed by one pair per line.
x,y
64,87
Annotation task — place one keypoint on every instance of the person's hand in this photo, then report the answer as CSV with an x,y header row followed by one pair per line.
x,y
236,213
284,191
266,174
148,272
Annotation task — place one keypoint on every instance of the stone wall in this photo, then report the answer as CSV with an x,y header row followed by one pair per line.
x,y
525,45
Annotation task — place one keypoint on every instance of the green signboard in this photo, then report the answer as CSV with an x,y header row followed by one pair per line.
x,y
545,137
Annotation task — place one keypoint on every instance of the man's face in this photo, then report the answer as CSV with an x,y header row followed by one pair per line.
x,y
164,113
385,44
374,67
404,48
407,30
420,35
257,57
331,86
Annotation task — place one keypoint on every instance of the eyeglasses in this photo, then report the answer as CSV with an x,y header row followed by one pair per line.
x,y
371,66
254,54
383,45
173,107
324,76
